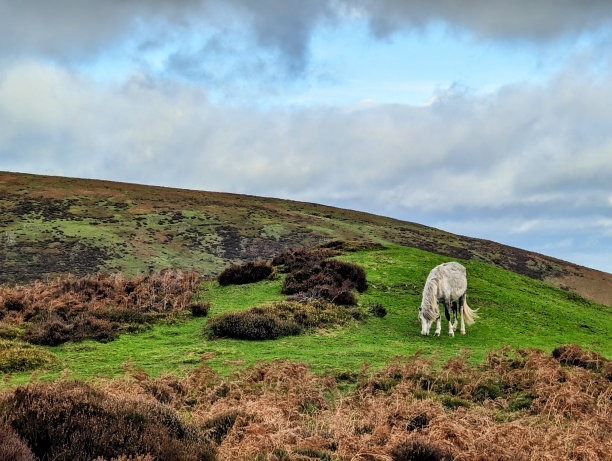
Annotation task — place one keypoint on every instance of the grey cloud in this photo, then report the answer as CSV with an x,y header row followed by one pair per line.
x,y
78,29
499,19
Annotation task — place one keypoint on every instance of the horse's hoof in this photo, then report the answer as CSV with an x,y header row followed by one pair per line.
x,y
436,334
451,334
463,332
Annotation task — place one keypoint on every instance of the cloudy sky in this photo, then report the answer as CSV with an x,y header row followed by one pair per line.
x,y
486,118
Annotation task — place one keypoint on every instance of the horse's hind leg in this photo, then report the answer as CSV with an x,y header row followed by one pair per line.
x,y
447,308
455,315
461,304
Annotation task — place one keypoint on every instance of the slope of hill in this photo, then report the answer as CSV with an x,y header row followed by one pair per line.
x,y
50,225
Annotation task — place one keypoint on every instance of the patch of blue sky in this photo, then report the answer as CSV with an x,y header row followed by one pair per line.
x,y
345,65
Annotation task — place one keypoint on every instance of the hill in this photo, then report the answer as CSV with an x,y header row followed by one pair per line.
x,y
51,225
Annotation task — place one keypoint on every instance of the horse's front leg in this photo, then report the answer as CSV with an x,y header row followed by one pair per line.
x,y
438,327
455,315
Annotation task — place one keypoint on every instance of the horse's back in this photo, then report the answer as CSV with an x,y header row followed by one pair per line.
x,y
454,275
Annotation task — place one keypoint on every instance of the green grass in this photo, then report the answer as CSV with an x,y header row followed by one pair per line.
x,y
514,310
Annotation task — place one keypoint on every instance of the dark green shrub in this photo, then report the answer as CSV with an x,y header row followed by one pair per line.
x,y
453,403
487,390
73,421
249,272
332,273
199,309
347,272
521,401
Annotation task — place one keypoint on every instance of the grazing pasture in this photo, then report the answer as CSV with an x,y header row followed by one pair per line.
x,y
514,310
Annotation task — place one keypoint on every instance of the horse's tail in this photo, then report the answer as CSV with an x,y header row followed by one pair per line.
x,y
468,314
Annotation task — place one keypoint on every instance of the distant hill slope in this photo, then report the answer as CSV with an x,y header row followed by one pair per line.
x,y
51,225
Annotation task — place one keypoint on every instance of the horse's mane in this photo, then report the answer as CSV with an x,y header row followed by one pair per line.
x,y
431,311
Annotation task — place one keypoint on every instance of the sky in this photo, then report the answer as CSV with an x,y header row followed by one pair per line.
x,y
486,118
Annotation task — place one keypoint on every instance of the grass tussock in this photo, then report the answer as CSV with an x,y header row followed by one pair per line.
x,y
73,309
249,272
16,355
271,321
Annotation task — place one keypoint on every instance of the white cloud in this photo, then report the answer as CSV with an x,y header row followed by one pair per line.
x,y
525,157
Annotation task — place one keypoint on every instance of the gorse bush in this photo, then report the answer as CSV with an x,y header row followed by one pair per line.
x,y
74,421
249,272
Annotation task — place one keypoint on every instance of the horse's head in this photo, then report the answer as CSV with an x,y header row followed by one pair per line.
x,y
425,324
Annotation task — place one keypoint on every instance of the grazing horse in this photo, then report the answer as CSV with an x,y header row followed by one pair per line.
x,y
447,283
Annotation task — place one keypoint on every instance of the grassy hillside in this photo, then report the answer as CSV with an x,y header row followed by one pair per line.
x,y
372,388
514,310
51,225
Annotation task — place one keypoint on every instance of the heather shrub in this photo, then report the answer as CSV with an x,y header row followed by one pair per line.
x,y
19,356
249,272
293,260
351,246
12,448
49,333
199,309
285,318
254,323
73,421
377,310
218,426
89,327
420,450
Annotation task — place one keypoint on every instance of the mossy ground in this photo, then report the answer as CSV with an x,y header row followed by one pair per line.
x,y
514,310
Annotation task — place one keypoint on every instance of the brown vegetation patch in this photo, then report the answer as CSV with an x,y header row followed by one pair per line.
x,y
71,308
281,410
74,421
249,272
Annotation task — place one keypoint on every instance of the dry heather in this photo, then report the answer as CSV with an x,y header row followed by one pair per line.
x,y
518,404
71,308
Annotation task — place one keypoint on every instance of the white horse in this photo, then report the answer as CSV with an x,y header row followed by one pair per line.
x,y
447,283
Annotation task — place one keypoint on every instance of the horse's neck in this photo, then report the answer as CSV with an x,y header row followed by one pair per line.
x,y
430,294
